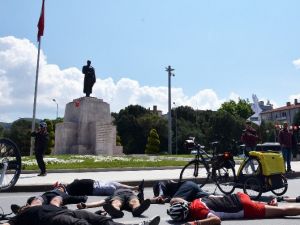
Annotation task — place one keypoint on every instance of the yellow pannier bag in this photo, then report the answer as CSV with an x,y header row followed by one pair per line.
x,y
271,162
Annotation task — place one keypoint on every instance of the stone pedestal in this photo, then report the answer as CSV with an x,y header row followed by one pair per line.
x,y
87,129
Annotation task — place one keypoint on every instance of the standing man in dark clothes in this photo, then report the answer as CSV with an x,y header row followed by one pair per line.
x,y
285,140
89,78
249,138
41,142
53,214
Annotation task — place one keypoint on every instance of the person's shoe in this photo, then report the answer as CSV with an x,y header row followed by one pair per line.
x,y
42,174
112,211
142,208
15,208
290,171
141,185
140,195
280,199
153,221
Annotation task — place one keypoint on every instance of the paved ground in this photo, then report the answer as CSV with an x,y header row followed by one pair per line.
x,y
31,182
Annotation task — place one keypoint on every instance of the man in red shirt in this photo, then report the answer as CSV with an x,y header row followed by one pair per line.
x,y
285,140
249,138
212,209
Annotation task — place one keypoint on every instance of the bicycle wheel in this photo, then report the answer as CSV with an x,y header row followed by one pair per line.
x,y
253,188
10,164
195,171
225,179
283,189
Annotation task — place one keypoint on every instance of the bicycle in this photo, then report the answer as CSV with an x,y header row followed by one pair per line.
x,y
10,164
219,168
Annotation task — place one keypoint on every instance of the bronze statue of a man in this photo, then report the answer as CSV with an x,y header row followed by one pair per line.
x,y
89,78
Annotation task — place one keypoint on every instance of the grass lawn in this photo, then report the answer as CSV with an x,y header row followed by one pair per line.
x,y
91,161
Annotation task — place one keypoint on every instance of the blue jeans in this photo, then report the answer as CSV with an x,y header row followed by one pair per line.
x,y
287,153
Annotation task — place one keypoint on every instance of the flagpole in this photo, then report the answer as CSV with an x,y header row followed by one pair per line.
x,y
35,96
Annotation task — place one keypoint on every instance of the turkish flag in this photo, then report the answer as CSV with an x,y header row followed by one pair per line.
x,y
77,103
41,23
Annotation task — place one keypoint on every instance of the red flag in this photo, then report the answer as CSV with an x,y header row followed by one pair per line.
x,y
41,23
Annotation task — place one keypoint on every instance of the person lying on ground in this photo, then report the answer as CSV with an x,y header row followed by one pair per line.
x,y
46,198
122,199
97,187
165,190
288,199
54,214
213,209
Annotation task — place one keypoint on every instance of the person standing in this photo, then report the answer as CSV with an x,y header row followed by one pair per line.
x,y
285,140
89,78
249,138
40,145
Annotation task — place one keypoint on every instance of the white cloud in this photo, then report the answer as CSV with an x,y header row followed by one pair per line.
x,y
17,75
296,63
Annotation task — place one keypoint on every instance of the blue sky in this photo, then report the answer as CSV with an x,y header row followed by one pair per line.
x,y
220,50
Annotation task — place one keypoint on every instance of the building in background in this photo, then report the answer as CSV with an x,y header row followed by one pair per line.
x,y
282,114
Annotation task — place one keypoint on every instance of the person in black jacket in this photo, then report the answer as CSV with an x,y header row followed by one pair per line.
x,y
40,145
47,197
165,190
54,214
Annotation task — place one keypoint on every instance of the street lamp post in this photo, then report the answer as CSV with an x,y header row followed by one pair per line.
x,y
56,107
175,113
169,70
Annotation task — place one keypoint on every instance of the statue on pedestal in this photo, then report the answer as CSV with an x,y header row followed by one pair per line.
x,y
89,78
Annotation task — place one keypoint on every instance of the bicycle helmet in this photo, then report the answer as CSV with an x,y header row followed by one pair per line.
x,y
43,124
179,211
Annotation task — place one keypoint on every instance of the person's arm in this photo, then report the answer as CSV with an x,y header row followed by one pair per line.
x,y
70,199
213,220
6,224
91,204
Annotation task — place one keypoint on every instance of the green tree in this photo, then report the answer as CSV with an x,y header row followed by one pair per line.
x,y
1,131
226,129
129,129
118,141
152,121
242,108
20,133
153,143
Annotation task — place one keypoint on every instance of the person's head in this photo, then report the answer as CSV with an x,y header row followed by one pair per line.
x,y
179,211
88,62
43,125
248,123
35,200
285,125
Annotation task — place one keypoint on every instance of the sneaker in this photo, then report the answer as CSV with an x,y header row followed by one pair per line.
x,y
140,195
42,174
112,211
15,208
154,221
141,186
280,199
142,208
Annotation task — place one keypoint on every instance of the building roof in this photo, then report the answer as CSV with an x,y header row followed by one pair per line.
x,y
283,108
